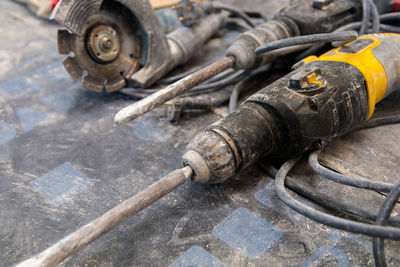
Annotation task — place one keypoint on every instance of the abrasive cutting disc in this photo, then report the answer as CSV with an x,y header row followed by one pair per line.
x,y
109,48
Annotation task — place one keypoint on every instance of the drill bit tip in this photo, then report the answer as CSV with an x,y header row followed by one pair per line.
x,y
125,115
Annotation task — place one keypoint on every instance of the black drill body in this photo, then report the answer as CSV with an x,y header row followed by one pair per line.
x,y
284,118
316,102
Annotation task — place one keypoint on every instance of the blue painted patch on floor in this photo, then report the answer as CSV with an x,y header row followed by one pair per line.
x,y
7,132
3,156
53,72
60,102
62,183
196,257
268,197
29,118
250,234
18,86
323,252
145,130
335,236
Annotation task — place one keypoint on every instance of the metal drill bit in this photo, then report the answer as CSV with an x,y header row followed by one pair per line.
x,y
149,103
109,220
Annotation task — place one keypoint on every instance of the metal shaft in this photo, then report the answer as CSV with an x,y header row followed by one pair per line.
x,y
149,103
114,217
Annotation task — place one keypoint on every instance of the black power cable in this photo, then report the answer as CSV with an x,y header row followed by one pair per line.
x,y
375,17
234,11
243,86
345,179
369,8
216,85
326,201
307,39
366,17
327,219
377,231
383,216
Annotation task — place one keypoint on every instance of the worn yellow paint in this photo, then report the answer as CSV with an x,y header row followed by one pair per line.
x,y
365,61
312,79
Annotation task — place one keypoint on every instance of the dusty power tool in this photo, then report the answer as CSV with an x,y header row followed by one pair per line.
x,y
324,97
115,42
301,17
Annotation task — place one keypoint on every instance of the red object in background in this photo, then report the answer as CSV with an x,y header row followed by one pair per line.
x,y
54,3
396,6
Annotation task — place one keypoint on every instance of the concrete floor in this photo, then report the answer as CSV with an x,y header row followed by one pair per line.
x,y
62,164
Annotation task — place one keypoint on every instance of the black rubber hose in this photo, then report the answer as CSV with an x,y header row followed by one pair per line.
x,y
242,86
366,17
380,120
345,179
133,93
327,219
333,204
355,26
212,87
205,101
234,98
384,19
390,17
389,28
233,24
307,39
375,17
221,76
386,209
182,75
197,104
234,11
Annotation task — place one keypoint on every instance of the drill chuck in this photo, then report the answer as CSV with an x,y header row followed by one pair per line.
x,y
226,146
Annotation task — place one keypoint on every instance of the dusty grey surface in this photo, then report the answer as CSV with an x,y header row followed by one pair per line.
x,y
62,164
